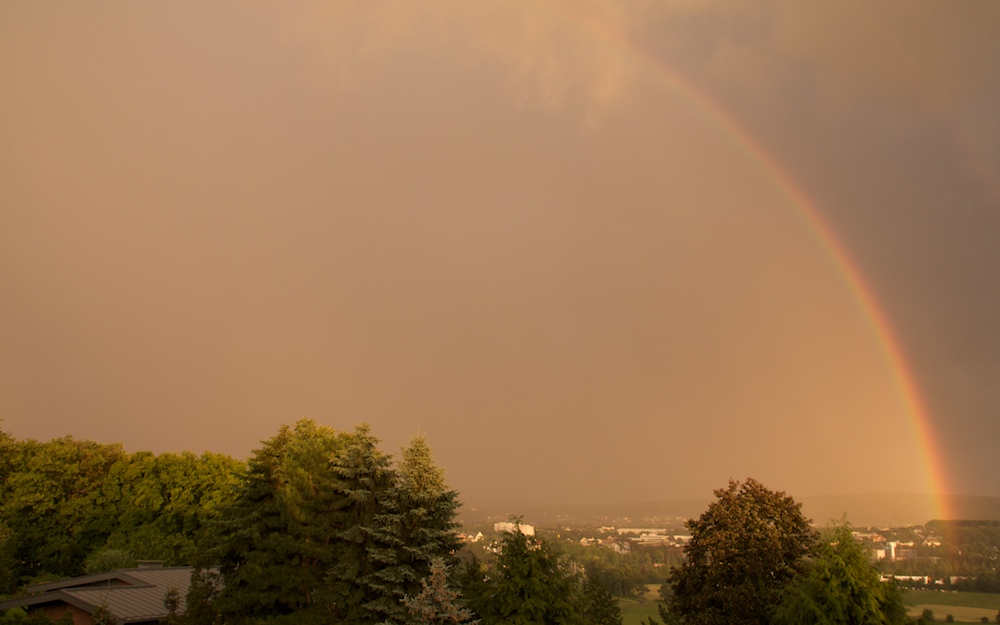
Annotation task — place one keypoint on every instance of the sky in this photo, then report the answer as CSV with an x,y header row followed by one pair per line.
x,y
593,251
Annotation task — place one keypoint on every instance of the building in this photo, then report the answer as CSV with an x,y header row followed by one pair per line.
x,y
132,596
505,526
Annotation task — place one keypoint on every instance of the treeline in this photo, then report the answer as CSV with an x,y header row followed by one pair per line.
x,y
627,572
969,552
326,528
321,526
318,526
68,507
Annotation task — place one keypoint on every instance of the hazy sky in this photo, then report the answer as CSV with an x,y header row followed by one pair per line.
x,y
504,225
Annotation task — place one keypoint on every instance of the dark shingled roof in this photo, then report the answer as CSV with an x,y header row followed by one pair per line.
x,y
132,595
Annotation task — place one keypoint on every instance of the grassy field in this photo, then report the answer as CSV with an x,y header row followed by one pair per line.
x,y
966,607
635,611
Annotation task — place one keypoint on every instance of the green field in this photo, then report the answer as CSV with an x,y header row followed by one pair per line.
x,y
635,611
966,607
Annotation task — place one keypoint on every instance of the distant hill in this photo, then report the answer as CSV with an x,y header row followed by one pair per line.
x,y
891,510
899,509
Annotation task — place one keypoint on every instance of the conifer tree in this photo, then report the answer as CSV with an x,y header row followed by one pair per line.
x,y
418,525
357,590
437,603
278,544
528,584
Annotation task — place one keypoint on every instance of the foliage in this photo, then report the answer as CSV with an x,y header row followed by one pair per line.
x,y
437,603
744,550
206,584
51,505
108,559
363,549
623,574
275,545
17,616
840,586
414,526
527,584
325,528
599,605
69,506
103,616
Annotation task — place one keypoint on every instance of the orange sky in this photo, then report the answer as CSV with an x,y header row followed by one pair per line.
x,y
488,224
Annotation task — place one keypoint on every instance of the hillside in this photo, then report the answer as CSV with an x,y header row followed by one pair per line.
x,y
861,510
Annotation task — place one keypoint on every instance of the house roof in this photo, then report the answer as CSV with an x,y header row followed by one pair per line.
x,y
132,595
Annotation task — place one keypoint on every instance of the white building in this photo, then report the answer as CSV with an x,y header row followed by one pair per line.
x,y
507,526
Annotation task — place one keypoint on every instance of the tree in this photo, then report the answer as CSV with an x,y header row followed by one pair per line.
x,y
437,603
359,592
840,586
667,610
276,544
528,585
744,549
599,605
51,512
415,526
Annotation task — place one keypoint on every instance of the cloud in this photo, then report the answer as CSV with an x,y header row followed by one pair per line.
x,y
553,56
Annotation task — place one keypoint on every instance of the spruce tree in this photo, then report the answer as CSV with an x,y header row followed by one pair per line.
x,y
357,589
528,584
418,525
277,546
437,603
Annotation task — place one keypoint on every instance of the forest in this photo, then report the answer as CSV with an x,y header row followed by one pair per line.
x,y
322,526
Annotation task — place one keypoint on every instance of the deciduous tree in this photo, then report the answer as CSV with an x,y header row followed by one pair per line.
x,y
840,586
744,550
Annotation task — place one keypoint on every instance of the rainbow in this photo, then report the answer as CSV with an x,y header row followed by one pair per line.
x,y
922,428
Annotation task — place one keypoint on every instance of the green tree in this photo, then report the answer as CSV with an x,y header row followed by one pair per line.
x,y
840,586
162,507
437,603
415,526
599,605
359,591
276,544
667,610
744,549
17,616
51,507
528,585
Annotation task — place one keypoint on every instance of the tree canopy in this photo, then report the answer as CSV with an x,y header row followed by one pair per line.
x,y
528,584
328,528
744,549
840,586
71,506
